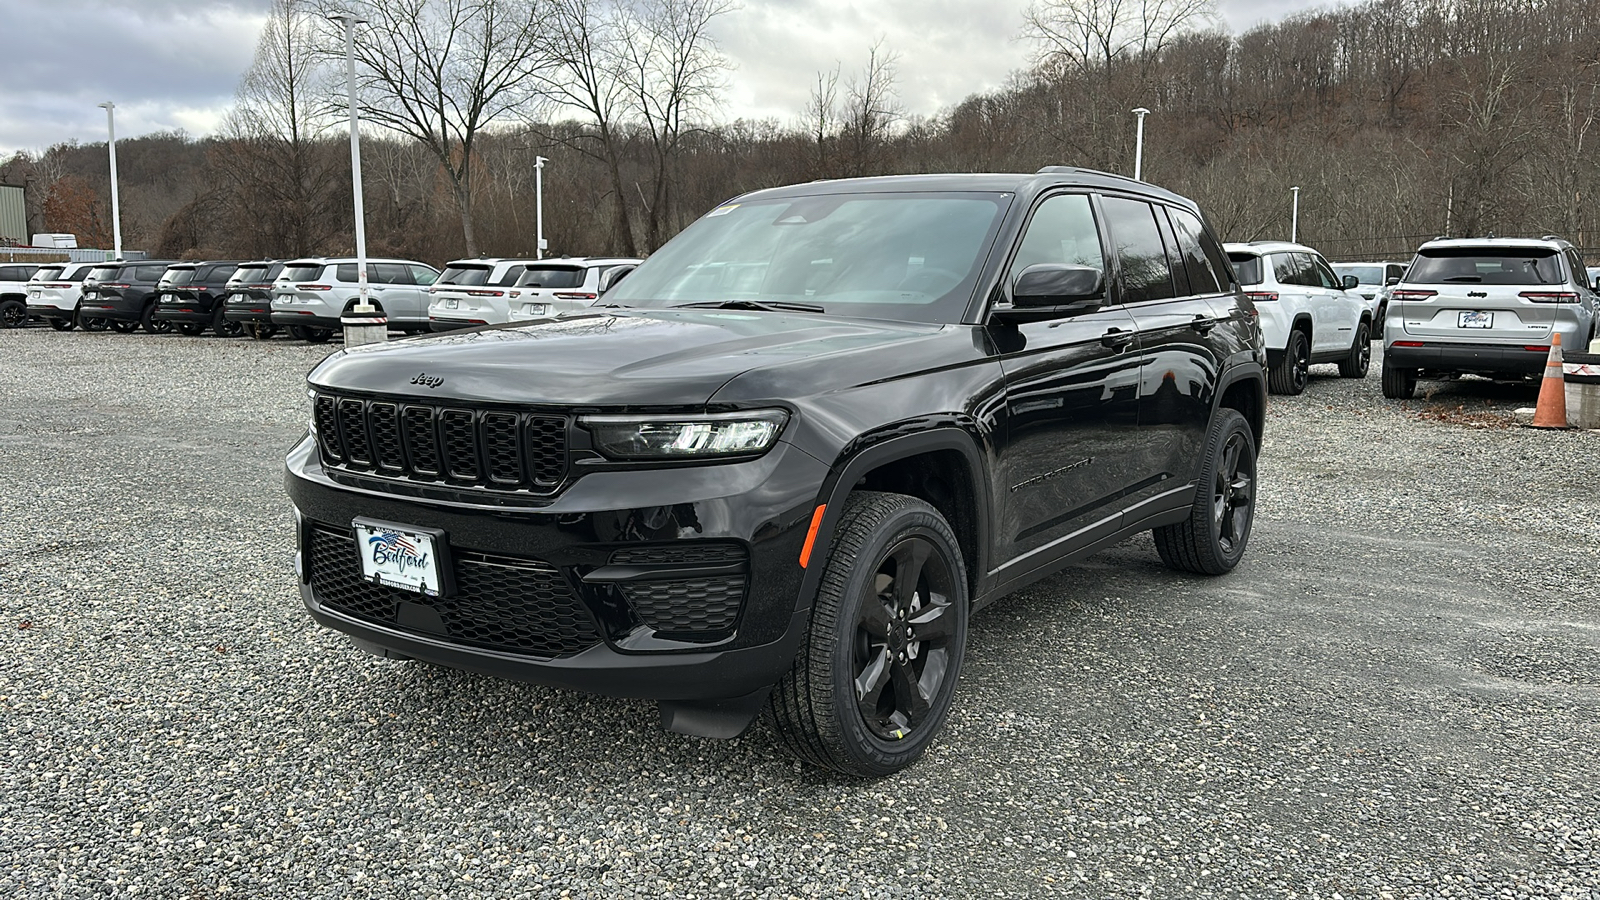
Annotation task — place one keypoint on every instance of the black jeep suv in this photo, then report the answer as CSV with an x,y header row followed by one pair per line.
x,y
123,294
793,452
248,303
192,295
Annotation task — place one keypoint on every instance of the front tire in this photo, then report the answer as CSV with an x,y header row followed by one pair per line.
x,y
1212,539
876,675
1290,375
1399,383
1356,364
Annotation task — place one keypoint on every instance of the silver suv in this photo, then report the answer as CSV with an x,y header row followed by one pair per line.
x,y
1373,281
311,295
1484,306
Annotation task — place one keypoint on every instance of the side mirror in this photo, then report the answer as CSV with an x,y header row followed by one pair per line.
x,y
1597,282
1054,290
612,276
1391,281
1350,282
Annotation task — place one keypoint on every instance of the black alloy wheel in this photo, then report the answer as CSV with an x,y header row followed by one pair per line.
x,y
1355,365
153,325
1291,375
191,329
222,327
875,678
315,335
1212,539
90,324
13,314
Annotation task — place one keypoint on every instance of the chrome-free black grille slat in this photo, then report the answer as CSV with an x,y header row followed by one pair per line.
x,y
498,449
422,445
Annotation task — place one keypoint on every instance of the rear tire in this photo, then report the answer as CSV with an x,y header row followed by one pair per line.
x,y
124,327
1399,383
875,677
1212,539
221,327
13,314
263,332
153,325
63,324
1290,375
191,329
93,324
315,335
1356,364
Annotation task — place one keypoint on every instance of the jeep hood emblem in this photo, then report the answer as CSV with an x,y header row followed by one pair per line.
x,y
426,380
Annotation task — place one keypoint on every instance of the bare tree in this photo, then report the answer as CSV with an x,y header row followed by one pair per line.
x,y
442,71
287,182
1092,35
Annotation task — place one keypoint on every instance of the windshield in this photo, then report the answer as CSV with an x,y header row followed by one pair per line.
x,y
466,275
1484,265
1363,274
1246,268
913,257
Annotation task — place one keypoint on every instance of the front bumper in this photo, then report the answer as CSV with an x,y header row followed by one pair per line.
x,y
762,506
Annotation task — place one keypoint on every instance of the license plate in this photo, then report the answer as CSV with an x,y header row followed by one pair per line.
x,y
168,298
35,294
400,556
450,304
1471,318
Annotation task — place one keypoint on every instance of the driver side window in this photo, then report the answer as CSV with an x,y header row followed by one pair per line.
x,y
1062,231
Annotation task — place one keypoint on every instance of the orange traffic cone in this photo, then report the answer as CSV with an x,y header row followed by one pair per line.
x,y
1552,409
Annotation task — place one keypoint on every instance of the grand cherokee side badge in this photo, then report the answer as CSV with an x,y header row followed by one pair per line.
x,y
426,380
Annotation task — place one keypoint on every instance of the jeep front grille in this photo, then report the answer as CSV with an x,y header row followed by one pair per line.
x,y
448,444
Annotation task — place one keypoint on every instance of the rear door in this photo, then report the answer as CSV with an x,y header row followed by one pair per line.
x,y
1496,295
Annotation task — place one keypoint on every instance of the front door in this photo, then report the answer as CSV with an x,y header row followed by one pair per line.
x,y
1071,404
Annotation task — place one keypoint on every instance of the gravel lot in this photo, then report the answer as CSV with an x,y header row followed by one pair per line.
x,y
1397,694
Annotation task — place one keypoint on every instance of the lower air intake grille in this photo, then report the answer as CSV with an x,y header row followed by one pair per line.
x,y
512,605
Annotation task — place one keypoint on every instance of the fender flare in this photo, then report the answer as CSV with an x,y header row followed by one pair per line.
x,y
843,476
1244,372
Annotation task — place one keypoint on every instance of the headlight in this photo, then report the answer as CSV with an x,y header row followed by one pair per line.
x,y
311,410
686,437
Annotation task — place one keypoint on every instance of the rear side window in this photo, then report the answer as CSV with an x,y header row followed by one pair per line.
x,y
1188,230
421,274
78,274
551,277
465,275
1467,265
346,273
1247,268
221,272
104,273
1142,256
302,273
1285,268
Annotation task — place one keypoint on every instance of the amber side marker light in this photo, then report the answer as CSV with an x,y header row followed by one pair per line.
x,y
811,536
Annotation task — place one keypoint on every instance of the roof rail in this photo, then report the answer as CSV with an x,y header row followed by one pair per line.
x,y
1079,170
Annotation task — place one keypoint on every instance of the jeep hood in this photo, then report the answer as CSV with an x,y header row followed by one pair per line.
x,y
632,357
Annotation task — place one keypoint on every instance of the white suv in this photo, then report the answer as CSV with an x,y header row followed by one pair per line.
x,y
551,287
311,295
14,294
1485,306
54,292
1308,315
473,292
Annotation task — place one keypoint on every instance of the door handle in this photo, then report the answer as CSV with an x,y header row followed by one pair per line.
x,y
1116,338
1203,324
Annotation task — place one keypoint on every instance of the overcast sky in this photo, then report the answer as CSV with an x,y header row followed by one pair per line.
x,y
173,64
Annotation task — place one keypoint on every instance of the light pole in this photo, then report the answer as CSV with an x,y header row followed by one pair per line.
x,y
538,194
1294,216
116,207
350,22
1138,144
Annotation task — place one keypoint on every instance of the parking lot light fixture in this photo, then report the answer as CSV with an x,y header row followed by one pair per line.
x,y
538,194
116,208
1294,216
363,303
1138,144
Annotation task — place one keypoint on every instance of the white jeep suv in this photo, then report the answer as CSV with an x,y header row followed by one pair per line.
x,y
473,292
54,292
311,295
551,287
1308,315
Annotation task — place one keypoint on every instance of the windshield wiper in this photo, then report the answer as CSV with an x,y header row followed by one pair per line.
x,y
1464,279
766,305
